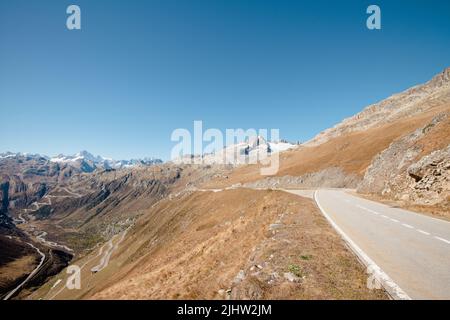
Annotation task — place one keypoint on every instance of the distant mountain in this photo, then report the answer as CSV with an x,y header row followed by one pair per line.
x,y
99,161
26,178
83,160
249,151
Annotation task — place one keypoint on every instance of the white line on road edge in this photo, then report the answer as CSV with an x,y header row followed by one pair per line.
x,y
442,239
389,285
371,211
423,232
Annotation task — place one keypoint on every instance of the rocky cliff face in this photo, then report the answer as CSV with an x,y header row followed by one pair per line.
x,y
25,179
4,196
431,176
410,172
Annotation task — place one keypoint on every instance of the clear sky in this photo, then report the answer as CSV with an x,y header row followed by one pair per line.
x,y
140,69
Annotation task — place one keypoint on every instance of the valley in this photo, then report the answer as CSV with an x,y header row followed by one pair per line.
x,y
147,229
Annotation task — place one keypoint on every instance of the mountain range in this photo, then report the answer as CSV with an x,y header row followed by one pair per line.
x,y
86,160
177,230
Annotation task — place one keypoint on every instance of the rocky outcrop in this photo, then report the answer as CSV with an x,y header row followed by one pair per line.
x,y
430,179
402,172
4,196
395,159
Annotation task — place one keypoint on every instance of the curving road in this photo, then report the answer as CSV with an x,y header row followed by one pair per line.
x,y
412,250
60,281
41,239
12,292
103,263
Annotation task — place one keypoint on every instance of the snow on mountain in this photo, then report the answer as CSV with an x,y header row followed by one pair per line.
x,y
10,155
251,151
7,155
107,163
280,146
64,159
87,161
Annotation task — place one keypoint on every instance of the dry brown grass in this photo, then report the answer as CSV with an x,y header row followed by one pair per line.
x,y
16,269
191,248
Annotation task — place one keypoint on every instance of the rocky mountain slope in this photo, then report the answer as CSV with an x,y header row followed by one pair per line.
x,y
157,232
415,169
26,178
414,101
89,208
375,151
37,193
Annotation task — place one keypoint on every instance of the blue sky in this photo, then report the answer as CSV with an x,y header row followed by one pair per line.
x,y
140,69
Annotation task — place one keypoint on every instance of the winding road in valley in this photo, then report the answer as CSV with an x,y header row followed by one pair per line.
x,y
409,251
12,292
111,248
105,255
40,237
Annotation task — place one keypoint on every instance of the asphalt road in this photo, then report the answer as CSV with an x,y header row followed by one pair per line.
x,y
411,248
12,292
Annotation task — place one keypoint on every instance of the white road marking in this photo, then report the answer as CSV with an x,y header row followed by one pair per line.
x,y
442,239
371,211
391,287
423,232
415,226
395,220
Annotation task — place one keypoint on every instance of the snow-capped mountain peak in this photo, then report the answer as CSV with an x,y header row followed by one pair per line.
x,y
85,160
255,147
108,163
